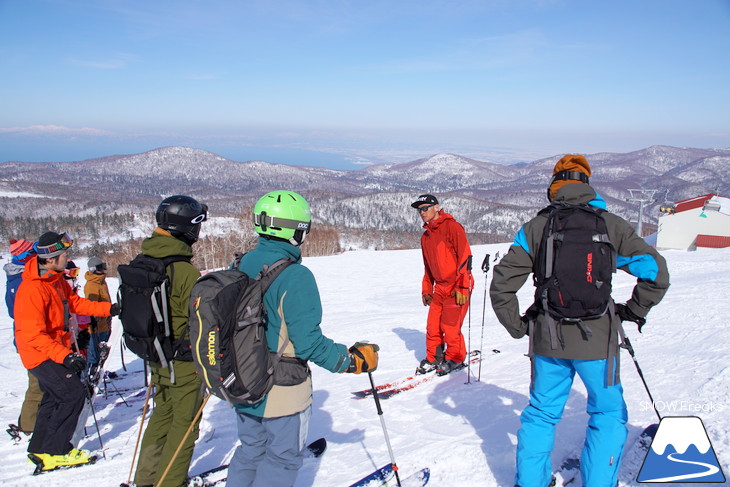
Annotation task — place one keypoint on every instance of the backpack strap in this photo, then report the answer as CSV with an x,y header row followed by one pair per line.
x,y
267,276
177,343
616,330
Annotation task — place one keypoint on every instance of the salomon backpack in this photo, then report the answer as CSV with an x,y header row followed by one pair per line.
x,y
228,333
144,298
574,264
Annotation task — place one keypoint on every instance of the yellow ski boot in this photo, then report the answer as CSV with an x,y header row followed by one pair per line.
x,y
45,462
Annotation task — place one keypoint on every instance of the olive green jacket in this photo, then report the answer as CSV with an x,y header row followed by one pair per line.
x,y
182,278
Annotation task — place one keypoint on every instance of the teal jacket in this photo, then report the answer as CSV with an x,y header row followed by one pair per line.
x,y
294,310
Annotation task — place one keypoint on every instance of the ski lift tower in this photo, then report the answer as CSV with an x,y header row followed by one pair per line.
x,y
641,196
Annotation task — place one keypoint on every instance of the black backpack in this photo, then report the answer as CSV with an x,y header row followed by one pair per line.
x,y
228,335
144,298
574,264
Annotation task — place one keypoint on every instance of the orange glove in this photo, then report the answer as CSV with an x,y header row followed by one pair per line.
x,y
427,298
461,299
363,358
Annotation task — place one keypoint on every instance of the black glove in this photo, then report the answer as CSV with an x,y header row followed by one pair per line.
x,y
115,309
526,320
625,313
82,340
75,362
531,314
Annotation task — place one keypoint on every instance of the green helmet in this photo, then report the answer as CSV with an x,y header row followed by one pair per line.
x,y
284,215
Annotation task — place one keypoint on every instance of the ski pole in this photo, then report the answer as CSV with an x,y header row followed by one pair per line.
x,y
468,348
385,431
74,328
182,442
96,423
630,348
139,435
121,352
485,268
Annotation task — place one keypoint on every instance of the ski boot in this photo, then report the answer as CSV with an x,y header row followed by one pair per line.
x,y
425,366
45,462
14,431
448,366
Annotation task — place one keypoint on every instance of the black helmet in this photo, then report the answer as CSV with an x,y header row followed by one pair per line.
x,y
181,216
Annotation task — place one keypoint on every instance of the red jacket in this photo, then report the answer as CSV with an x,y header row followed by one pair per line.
x,y
446,257
40,321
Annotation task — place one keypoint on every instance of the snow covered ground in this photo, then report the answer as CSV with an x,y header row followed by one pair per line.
x,y
464,432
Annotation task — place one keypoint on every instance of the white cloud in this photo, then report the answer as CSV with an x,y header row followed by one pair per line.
x,y
54,130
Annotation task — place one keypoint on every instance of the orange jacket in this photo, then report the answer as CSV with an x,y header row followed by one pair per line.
x,y
40,319
446,257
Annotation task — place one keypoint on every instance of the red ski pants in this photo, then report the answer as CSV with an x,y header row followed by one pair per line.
x,y
443,327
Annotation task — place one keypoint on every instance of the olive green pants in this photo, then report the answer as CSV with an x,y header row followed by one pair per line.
x,y
29,410
174,409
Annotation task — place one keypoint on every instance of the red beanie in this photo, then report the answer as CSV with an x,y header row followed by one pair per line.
x,y
17,247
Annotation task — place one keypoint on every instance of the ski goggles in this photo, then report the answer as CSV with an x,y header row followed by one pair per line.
x,y
63,243
264,221
72,273
202,216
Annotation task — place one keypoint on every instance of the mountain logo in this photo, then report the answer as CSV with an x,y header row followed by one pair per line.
x,y
681,452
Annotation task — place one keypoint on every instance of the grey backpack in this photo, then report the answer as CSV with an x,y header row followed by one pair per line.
x,y
228,333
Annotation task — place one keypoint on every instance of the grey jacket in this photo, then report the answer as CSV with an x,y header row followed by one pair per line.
x,y
635,256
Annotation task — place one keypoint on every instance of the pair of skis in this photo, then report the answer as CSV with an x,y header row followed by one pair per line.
x,y
381,477
390,389
218,475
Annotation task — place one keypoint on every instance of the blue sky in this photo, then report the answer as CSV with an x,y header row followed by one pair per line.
x,y
334,83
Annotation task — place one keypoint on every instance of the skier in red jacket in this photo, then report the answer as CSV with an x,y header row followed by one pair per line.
x,y
446,287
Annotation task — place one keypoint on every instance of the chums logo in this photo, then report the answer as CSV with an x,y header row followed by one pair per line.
x,y
211,348
589,267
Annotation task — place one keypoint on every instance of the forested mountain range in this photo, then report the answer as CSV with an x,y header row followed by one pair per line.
x,y
491,200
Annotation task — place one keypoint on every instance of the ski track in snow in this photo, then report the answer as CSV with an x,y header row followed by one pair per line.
x,y
465,433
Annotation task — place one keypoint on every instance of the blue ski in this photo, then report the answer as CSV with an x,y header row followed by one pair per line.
x,y
384,476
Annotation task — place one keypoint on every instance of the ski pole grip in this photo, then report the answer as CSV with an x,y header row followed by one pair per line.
x,y
485,264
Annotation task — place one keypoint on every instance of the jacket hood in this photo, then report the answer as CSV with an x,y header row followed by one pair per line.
x,y
161,244
434,224
96,278
579,193
31,272
284,249
13,269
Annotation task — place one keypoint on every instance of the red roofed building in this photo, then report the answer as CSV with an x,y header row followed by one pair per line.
x,y
700,222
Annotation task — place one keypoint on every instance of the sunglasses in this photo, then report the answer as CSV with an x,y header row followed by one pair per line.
x,y
72,273
65,242
424,209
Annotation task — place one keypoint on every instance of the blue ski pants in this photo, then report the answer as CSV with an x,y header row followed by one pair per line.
x,y
605,435
271,450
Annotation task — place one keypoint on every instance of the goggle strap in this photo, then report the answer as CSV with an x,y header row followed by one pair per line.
x,y
264,220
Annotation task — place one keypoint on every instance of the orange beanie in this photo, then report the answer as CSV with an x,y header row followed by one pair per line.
x,y
570,162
